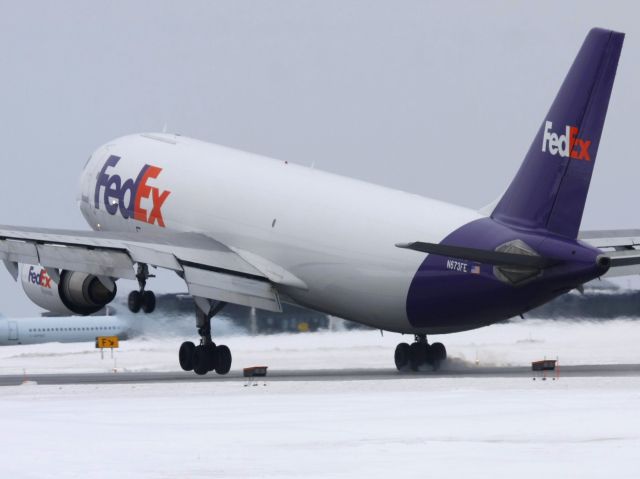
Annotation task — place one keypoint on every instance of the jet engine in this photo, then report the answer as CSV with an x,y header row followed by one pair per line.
x,y
76,293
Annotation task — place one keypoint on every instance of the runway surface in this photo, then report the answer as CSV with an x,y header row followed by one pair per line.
x,y
604,370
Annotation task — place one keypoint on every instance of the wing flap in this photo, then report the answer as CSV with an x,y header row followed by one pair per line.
x,y
98,262
161,259
18,251
221,286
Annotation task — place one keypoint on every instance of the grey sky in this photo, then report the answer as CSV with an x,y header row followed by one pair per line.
x,y
437,98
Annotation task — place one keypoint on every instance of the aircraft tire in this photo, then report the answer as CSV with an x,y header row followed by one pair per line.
x,y
148,300
134,301
223,359
200,361
401,356
185,355
211,356
438,352
417,355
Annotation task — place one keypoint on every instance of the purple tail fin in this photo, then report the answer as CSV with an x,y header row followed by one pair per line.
x,y
550,189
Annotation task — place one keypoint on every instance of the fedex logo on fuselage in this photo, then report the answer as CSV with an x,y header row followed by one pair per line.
x,y
565,145
126,197
41,278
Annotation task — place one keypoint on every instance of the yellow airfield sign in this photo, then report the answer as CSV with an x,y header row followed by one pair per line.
x,y
107,342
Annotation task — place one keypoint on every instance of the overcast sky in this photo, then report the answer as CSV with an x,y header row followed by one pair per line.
x,y
437,98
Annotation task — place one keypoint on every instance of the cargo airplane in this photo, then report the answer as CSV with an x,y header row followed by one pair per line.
x,y
245,229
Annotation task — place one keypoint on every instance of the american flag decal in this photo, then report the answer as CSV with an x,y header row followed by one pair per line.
x,y
475,269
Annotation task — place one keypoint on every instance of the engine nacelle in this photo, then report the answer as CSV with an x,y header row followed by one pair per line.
x,y
77,293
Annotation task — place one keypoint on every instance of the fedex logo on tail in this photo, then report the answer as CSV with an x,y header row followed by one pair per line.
x,y
565,145
41,278
126,196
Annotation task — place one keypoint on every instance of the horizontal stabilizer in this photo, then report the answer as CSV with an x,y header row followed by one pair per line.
x,y
620,247
611,238
495,258
623,258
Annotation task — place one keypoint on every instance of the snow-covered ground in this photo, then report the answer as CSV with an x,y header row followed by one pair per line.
x,y
515,343
426,427
417,426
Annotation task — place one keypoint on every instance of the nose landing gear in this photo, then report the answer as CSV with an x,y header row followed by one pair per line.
x,y
419,353
142,299
206,356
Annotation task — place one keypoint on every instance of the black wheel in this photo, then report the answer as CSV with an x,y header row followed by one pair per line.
x,y
417,355
200,360
134,301
148,302
223,359
185,355
211,356
438,352
402,355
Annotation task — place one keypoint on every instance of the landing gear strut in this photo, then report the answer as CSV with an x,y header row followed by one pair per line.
x,y
142,299
419,353
206,356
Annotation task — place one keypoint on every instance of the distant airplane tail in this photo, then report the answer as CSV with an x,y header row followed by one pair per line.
x,y
550,189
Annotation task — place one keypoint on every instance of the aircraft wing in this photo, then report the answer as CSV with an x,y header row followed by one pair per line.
x,y
210,269
622,246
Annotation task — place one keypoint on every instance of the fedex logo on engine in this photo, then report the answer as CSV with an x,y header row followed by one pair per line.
x,y
565,145
126,197
41,278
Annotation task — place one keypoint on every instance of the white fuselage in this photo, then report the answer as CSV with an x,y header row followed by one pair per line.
x,y
336,234
66,329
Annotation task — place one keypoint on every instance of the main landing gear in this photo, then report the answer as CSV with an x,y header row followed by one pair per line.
x,y
142,299
206,356
419,353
